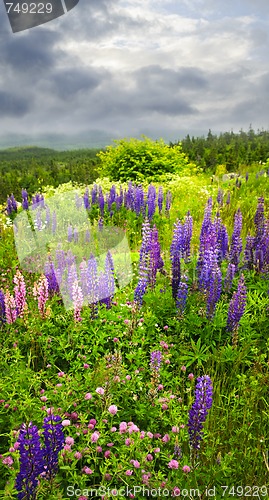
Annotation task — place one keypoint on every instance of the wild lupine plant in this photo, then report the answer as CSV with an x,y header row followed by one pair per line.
x,y
236,309
198,412
38,461
41,293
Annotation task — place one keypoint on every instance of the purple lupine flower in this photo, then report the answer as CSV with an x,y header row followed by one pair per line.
x,y
53,286
208,236
100,224
237,306
94,193
160,199
228,282
54,443
236,242
262,250
199,410
86,199
176,252
9,207
222,242
10,308
119,199
41,293
87,236
69,233
246,176
228,199
140,292
129,197
112,196
31,462
151,201
155,360
2,307
182,294
144,263
20,293
14,203
220,197
138,200
25,202
210,280
168,202
249,252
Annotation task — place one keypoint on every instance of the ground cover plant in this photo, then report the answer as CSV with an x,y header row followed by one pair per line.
x,y
158,388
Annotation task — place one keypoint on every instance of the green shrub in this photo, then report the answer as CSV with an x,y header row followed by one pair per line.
x,y
137,159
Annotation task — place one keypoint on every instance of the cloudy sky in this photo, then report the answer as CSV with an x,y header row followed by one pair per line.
x,y
163,68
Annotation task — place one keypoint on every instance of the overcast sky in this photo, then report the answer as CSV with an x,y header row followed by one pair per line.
x,y
163,68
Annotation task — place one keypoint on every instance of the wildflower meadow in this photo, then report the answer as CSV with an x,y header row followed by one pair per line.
x,y
145,376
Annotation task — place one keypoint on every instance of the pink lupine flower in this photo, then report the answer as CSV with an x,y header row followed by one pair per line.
x,y
41,293
11,308
173,464
77,297
113,409
20,293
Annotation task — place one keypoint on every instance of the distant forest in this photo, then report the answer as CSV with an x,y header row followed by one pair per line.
x,y
32,167
230,149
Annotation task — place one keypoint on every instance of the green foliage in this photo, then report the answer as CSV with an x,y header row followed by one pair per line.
x,y
136,159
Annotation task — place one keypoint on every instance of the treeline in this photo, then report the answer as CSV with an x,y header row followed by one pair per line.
x,y
32,168
230,149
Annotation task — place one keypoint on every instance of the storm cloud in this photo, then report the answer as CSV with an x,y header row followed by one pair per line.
x,y
131,67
